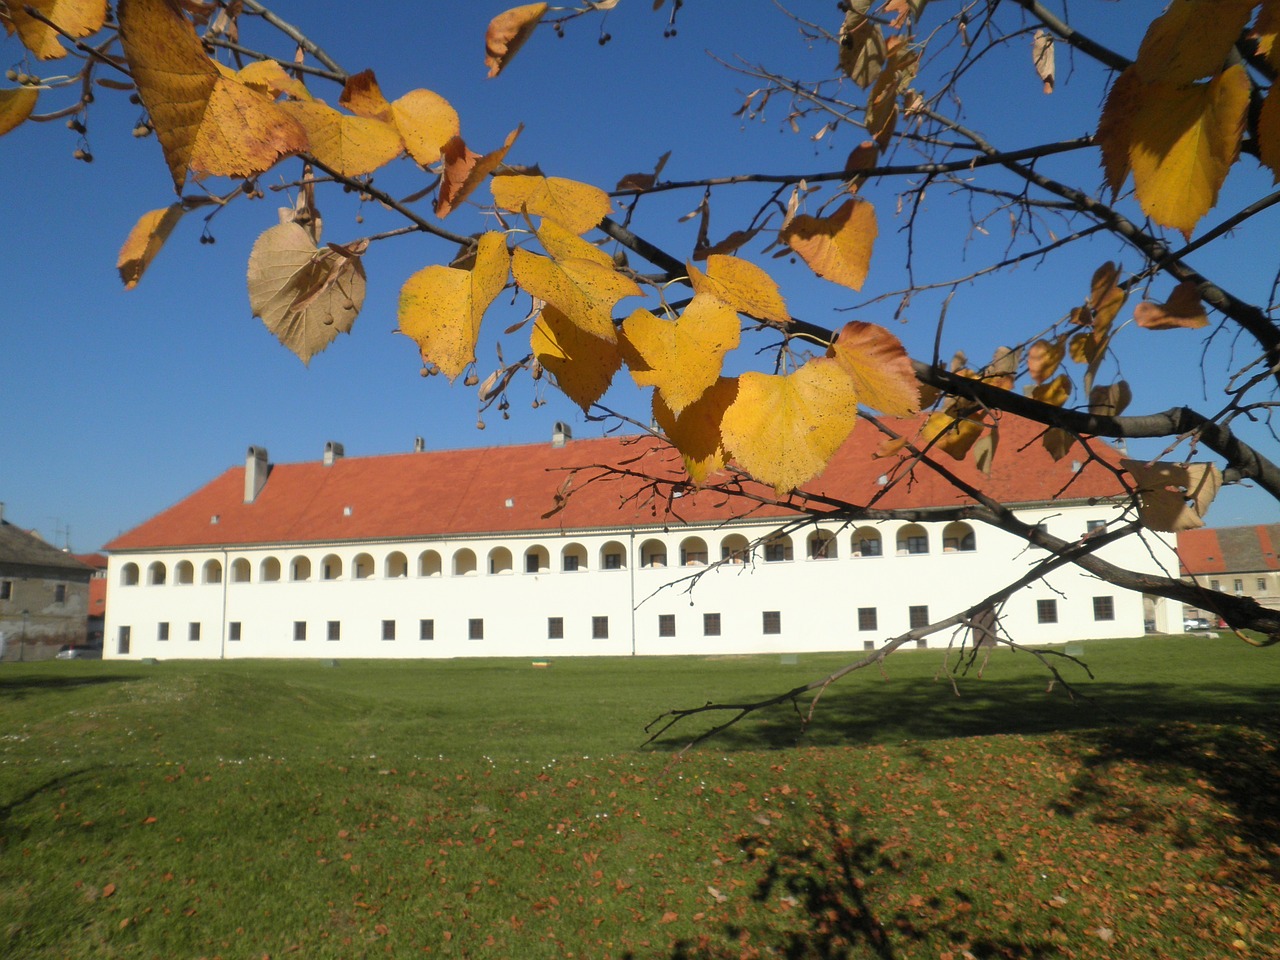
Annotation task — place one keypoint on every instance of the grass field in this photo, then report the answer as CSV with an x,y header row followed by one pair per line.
x,y
494,809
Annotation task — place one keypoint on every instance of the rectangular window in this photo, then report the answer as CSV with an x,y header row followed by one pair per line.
x,y
193,631
6,589
1262,584
1215,585
868,644
711,624
693,558
599,628
1239,586
334,630
613,561
570,563
1046,611
162,631
1104,608
772,622
555,628
122,640
60,593
666,624
233,631
777,551
917,546
1092,525
388,629
867,618
531,563
475,629
299,629
917,617
426,629
870,548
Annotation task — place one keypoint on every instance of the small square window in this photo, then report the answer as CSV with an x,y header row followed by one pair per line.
x,y
922,644
1046,611
599,628
426,629
867,618
162,631
335,630
299,629
233,630
388,629
475,629
1104,608
1215,585
777,551
868,644
193,631
60,593
870,548
711,624
555,628
666,624
570,563
613,561
772,622
917,617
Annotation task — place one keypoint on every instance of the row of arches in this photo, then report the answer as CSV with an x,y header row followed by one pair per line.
x,y
692,551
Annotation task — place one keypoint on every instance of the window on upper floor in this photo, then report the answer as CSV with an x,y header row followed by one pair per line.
x,y
60,593
1046,611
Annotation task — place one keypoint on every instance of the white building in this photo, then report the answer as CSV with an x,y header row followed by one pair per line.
x,y
481,553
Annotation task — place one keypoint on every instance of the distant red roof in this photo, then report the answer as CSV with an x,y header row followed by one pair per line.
x,y
1229,549
515,489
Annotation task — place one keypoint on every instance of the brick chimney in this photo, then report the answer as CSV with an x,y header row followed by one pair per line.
x,y
256,469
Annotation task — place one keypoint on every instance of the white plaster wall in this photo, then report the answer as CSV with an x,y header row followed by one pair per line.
x,y
818,600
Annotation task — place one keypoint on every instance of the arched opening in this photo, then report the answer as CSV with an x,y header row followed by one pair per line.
x,y
397,565
573,558
778,549
653,553
867,542
129,575
913,541
500,561
957,537
537,559
362,566
156,574
300,569
693,552
331,567
821,545
184,573
211,572
464,563
240,570
735,548
613,556
429,564
270,570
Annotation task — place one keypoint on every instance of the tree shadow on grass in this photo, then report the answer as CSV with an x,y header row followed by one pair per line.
x,y
17,688
817,899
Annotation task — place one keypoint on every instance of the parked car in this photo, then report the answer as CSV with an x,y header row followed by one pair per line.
x,y
1196,623
78,651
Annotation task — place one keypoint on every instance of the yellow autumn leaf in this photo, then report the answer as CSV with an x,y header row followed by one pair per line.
x,y
1044,357
1114,136
1182,144
427,121
984,450
363,97
1106,297
507,33
353,146
696,432
1191,39
74,18
206,122
271,78
879,366
561,243
15,106
742,285
464,170
144,242
784,429
441,307
1182,310
575,206
1266,28
1111,400
1084,348
837,248
954,436
1058,442
1171,496
1056,391
681,357
306,295
862,45
583,365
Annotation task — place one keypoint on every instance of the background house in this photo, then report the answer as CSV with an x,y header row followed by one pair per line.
x,y
44,595
1239,560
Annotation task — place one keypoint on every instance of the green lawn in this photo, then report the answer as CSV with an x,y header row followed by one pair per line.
x,y
496,809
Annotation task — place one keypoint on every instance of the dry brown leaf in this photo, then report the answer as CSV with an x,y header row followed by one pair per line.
x,y
144,242
1111,400
1183,310
879,366
1042,58
305,295
1044,357
862,45
465,170
1058,442
1174,496
507,33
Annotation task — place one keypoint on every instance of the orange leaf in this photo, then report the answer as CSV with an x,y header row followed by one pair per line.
x,y
507,33
15,106
1106,297
681,358
1183,309
144,242
465,170
1044,358
1058,442
1269,133
583,365
838,247
880,368
696,432
1111,400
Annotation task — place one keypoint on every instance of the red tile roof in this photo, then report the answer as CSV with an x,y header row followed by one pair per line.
x,y
1229,549
467,492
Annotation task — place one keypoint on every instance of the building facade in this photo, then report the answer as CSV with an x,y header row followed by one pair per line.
x,y
1238,560
44,595
547,550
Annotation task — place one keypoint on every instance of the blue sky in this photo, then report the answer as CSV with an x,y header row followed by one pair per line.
x,y
118,403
